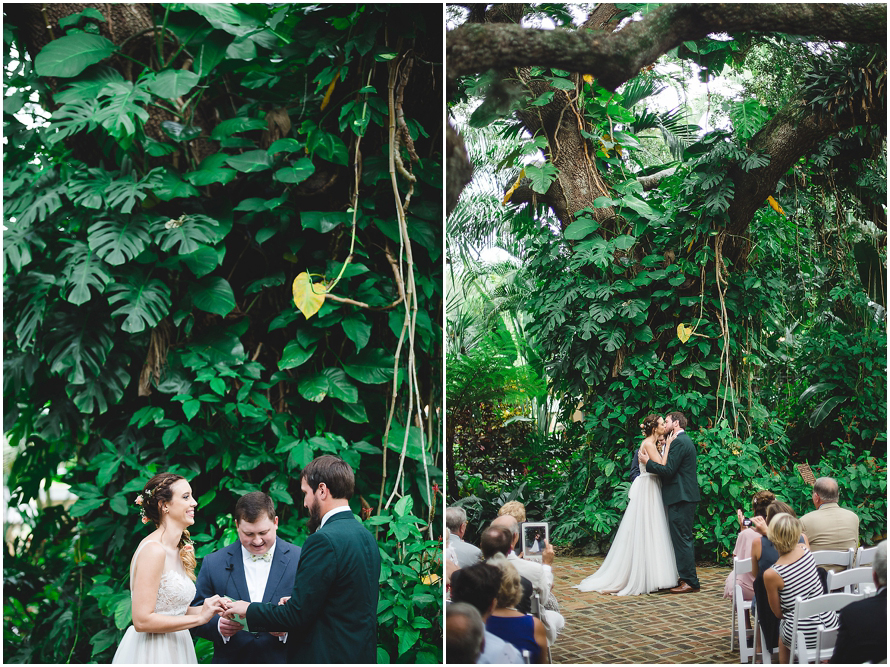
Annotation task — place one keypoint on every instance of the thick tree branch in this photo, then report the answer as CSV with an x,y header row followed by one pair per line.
x,y
613,58
792,133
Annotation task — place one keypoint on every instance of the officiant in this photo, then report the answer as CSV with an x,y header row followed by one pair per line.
x,y
260,567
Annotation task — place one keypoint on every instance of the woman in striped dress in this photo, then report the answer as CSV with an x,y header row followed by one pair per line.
x,y
793,575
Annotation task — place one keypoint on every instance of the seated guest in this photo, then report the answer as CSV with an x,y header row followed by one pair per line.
x,y
524,631
515,509
793,576
497,540
830,527
540,574
763,556
746,538
456,522
478,585
464,633
451,566
863,633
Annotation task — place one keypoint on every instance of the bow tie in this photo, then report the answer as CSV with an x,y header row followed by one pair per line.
x,y
266,557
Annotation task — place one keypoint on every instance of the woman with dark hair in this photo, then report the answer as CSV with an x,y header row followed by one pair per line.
x,y
641,559
162,575
744,542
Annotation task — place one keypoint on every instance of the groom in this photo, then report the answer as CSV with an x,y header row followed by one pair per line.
x,y
680,493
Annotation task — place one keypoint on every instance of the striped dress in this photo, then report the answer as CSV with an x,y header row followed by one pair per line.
x,y
800,579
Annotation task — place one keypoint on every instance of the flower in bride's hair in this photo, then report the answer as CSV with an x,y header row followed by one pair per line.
x,y
138,500
188,547
145,519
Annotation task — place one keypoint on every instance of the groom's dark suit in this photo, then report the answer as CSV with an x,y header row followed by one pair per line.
x,y
679,490
332,614
222,573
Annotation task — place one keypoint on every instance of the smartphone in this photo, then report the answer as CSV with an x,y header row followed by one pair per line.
x,y
746,521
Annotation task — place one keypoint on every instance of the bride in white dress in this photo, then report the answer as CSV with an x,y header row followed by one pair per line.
x,y
641,559
162,575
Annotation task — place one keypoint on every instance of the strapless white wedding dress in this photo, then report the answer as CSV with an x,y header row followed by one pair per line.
x,y
175,594
641,559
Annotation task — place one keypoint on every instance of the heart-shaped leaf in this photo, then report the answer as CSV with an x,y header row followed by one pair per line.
x,y
683,332
308,297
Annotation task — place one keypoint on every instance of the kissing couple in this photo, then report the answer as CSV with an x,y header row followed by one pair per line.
x,y
654,548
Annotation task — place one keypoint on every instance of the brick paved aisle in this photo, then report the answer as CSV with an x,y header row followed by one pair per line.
x,y
656,628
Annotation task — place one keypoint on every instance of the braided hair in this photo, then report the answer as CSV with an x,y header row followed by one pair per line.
x,y
650,423
156,492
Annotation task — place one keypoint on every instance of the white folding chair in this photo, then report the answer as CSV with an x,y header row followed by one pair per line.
x,y
805,609
848,581
842,558
766,657
739,608
865,556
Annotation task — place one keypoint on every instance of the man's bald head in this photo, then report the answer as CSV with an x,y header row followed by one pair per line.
x,y
495,540
508,522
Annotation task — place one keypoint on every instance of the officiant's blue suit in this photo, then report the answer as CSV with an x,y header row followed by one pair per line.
x,y
222,573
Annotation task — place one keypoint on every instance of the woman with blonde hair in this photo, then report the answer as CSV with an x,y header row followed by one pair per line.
x,y
162,575
524,631
793,575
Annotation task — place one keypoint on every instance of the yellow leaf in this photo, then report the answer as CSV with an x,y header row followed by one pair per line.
x,y
588,78
308,297
327,95
775,205
513,188
683,332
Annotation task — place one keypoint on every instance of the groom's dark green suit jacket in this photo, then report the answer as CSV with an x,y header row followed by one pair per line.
x,y
332,613
679,478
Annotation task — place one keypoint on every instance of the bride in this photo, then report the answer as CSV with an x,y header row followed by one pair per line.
x,y
641,559
162,573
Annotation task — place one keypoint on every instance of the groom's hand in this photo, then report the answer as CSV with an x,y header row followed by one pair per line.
x,y
644,457
236,608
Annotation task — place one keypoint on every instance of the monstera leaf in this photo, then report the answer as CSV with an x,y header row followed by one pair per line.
x,y
79,344
119,240
187,234
83,269
144,302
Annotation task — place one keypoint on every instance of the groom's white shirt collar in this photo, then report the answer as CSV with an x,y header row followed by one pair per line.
x,y
330,513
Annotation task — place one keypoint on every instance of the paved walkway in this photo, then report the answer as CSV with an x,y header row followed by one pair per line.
x,y
656,628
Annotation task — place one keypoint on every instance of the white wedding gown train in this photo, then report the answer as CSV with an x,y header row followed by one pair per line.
x,y
641,559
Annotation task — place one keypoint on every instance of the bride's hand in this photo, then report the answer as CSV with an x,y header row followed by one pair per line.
x,y
211,607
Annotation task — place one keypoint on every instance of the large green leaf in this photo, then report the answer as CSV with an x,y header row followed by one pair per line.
x,y
120,239
250,161
324,221
173,83
33,290
70,55
78,345
821,411
120,112
580,229
371,366
213,294
234,125
298,172
90,192
295,355
314,387
340,386
83,270
145,302
357,329
354,412
188,235
96,395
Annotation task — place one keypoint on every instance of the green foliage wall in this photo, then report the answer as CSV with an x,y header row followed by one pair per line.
x,y
187,173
